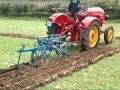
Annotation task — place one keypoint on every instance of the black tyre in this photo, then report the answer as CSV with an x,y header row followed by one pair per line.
x,y
90,37
108,35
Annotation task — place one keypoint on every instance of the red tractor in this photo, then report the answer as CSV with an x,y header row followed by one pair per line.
x,y
85,30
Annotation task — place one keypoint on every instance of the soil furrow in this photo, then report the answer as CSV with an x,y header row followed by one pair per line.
x,y
17,35
29,77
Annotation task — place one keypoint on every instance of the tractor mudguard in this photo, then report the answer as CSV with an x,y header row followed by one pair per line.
x,y
59,18
85,23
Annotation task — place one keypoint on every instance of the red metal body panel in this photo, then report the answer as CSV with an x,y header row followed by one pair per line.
x,y
59,18
97,12
85,23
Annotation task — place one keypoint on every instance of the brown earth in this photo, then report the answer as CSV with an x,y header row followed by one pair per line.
x,y
17,35
28,77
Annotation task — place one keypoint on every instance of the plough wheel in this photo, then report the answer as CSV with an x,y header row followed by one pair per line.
x,y
91,36
108,35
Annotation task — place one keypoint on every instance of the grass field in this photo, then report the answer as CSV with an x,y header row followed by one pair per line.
x,y
24,25
8,50
9,46
103,75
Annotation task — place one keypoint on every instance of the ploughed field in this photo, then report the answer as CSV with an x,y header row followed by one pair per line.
x,y
32,76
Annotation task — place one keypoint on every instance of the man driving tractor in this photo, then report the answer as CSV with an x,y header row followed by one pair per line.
x,y
73,7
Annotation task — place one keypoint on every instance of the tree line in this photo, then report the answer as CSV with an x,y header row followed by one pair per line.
x,y
42,7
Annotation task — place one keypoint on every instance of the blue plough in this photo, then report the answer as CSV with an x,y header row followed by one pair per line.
x,y
43,48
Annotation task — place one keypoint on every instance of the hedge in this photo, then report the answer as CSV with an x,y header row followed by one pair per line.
x,y
42,7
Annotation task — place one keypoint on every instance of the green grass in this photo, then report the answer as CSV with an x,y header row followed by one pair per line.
x,y
105,75
23,25
8,50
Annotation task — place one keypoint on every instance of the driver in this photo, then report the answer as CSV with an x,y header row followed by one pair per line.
x,y
73,8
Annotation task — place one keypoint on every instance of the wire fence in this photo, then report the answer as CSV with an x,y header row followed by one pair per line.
x,y
42,7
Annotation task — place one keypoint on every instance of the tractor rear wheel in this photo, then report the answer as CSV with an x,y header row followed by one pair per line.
x,y
91,36
108,35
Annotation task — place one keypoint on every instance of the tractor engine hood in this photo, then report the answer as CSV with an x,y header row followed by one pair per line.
x,y
59,18
96,12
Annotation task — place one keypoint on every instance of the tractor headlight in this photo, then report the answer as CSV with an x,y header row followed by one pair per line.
x,y
48,23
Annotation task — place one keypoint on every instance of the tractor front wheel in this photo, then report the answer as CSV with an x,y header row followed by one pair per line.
x,y
108,35
91,36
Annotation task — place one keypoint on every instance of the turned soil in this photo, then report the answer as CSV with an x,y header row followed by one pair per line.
x,y
28,77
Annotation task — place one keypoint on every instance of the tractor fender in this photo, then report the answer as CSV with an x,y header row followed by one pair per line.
x,y
85,23
59,18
